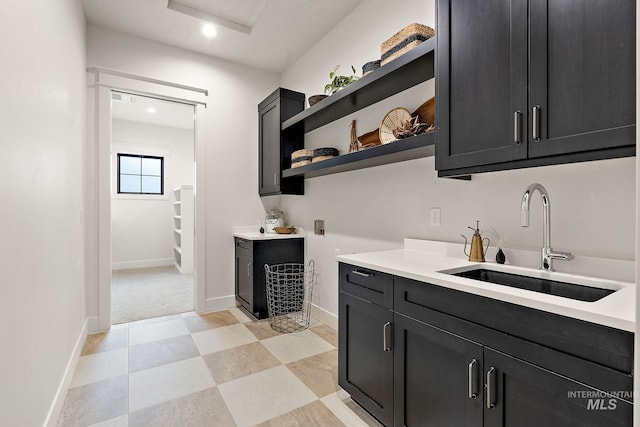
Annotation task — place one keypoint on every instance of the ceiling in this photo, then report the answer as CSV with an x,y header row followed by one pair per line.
x,y
135,108
279,31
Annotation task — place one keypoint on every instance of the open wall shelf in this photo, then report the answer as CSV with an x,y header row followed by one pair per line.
x,y
404,72
408,70
398,151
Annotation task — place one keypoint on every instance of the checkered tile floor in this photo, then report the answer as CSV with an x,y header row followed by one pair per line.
x,y
219,369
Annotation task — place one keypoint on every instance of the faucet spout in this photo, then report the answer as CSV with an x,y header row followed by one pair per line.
x,y
548,255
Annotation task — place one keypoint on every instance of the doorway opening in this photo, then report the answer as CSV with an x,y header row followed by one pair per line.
x,y
152,207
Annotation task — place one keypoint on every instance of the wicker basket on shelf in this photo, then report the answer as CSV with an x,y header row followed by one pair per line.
x,y
301,158
320,154
404,40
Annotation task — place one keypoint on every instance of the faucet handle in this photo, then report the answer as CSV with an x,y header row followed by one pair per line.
x,y
562,256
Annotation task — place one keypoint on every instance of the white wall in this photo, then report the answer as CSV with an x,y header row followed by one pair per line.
x,y
142,226
42,168
593,203
230,128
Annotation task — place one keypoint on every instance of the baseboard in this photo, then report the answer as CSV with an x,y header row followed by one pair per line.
x,y
143,263
317,313
219,303
324,316
93,325
61,394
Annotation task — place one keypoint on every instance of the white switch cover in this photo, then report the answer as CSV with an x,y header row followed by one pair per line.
x,y
434,217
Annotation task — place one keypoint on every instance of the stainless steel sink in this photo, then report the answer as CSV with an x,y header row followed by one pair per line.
x,y
537,284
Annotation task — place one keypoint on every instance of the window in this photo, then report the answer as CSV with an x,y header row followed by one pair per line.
x,y
139,174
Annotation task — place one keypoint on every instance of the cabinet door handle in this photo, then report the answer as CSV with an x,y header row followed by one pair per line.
x,y
535,112
249,269
362,273
517,120
275,178
472,379
385,342
491,388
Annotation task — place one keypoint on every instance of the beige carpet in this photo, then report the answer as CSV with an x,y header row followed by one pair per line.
x,y
143,293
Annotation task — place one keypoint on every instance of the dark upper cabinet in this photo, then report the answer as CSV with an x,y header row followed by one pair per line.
x,y
274,146
581,75
526,83
481,81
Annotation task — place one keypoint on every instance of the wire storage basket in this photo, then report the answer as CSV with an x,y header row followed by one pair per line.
x,y
289,293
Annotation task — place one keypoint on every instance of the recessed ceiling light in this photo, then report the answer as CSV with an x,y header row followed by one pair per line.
x,y
151,110
209,30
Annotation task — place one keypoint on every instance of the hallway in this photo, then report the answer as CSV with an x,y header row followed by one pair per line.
x,y
145,293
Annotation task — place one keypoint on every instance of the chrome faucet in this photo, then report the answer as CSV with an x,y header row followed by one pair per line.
x,y
548,255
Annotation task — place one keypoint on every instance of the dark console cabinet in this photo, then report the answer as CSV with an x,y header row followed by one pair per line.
x,y
250,258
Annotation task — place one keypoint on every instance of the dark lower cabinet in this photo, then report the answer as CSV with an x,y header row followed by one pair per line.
x,y
450,370
366,355
250,258
244,276
520,394
437,375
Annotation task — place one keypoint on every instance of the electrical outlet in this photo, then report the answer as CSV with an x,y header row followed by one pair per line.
x,y
318,227
434,217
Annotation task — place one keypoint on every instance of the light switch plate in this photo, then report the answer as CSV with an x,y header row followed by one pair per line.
x,y
318,227
434,217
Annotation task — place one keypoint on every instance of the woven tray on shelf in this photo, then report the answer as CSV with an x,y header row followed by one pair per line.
x,y
392,120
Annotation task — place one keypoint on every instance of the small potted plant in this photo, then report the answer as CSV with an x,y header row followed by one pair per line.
x,y
336,82
339,82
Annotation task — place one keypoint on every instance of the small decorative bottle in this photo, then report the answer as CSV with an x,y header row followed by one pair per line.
x,y
500,258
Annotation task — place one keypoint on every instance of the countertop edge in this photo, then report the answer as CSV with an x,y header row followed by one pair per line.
x,y
252,233
602,313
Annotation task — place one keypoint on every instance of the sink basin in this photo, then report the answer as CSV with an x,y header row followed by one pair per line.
x,y
537,284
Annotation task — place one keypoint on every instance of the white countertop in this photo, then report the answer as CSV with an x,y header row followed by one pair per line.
x,y
253,233
425,261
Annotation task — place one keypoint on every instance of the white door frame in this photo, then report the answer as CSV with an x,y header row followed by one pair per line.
x,y
105,81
